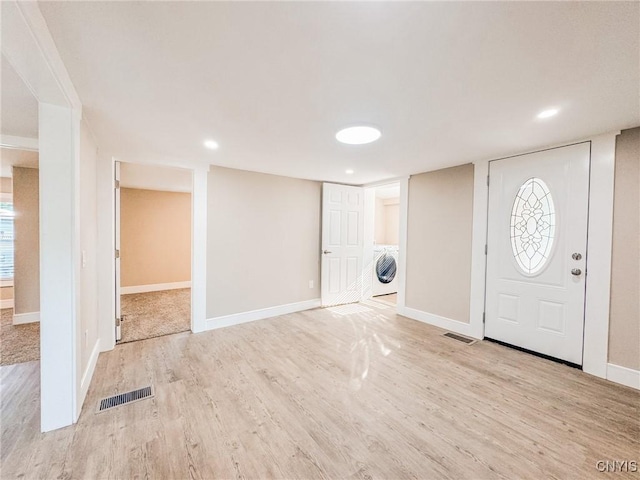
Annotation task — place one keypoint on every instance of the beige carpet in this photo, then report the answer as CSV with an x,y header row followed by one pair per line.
x,y
18,343
153,314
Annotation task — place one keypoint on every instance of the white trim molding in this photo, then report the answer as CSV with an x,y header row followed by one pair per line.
x,y
598,270
368,235
88,372
6,303
155,287
478,243
21,143
22,318
455,326
199,229
623,375
253,315
403,220
29,47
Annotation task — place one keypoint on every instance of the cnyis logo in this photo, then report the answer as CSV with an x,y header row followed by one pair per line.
x,y
617,466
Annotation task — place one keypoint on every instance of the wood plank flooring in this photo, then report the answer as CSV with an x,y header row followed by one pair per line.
x,y
348,392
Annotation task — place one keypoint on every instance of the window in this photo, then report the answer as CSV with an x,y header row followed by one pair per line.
x,y
6,240
533,219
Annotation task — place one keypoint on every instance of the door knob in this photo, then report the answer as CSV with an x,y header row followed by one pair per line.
x,y
576,256
576,271
326,252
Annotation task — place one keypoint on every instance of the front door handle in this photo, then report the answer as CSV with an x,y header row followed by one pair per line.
x,y
576,271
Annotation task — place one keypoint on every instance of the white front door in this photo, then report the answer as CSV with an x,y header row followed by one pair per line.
x,y
536,251
342,244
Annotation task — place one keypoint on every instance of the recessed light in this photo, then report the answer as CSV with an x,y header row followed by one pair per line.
x,y
211,144
349,171
548,113
358,135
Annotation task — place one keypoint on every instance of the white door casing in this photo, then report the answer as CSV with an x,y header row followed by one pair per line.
x,y
342,244
537,303
116,200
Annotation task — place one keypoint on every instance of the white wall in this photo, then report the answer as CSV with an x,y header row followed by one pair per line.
x,y
88,336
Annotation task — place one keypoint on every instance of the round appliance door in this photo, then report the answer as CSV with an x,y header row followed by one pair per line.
x,y
386,268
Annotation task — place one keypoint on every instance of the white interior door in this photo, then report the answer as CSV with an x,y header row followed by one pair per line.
x,y
536,257
116,202
342,244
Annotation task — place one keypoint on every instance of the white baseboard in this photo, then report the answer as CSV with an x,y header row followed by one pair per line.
x,y
156,287
31,317
6,303
438,321
623,375
244,317
88,373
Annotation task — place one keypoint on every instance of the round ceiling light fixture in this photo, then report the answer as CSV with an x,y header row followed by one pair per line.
x,y
211,144
358,135
349,171
548,113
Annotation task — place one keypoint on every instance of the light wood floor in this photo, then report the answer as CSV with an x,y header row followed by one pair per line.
x,y
353,392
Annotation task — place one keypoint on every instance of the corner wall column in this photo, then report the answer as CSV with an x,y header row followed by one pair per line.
x,y
59,264
199,250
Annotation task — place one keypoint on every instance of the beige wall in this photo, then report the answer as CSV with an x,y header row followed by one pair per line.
x,y
439,232
155,237
263,241
26,280
624,324
392,220
379,223
5,185
6,293
387,221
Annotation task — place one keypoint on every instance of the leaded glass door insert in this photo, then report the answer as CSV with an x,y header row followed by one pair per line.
x,y
533,220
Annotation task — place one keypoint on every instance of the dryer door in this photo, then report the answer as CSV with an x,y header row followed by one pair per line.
x,y
386,268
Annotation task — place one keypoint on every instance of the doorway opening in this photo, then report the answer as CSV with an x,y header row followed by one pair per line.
x,y
19,257
386,232
153,208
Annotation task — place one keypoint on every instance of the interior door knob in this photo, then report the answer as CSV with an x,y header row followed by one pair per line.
x,y
326,252
576,271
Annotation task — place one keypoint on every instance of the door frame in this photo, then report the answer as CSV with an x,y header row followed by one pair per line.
x,y
598,260
369,212
106,244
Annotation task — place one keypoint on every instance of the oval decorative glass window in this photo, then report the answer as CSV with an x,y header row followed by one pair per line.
x,y
533,225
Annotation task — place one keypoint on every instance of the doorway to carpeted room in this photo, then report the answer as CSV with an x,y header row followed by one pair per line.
x,y
153,239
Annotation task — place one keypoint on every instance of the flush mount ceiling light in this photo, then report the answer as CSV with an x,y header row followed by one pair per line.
x,y
358,135
211,144
548,113
348,171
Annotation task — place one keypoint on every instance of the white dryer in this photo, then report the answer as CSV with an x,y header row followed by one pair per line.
x,y
385,269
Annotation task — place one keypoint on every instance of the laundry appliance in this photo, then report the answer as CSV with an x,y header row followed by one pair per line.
x,y
385,269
